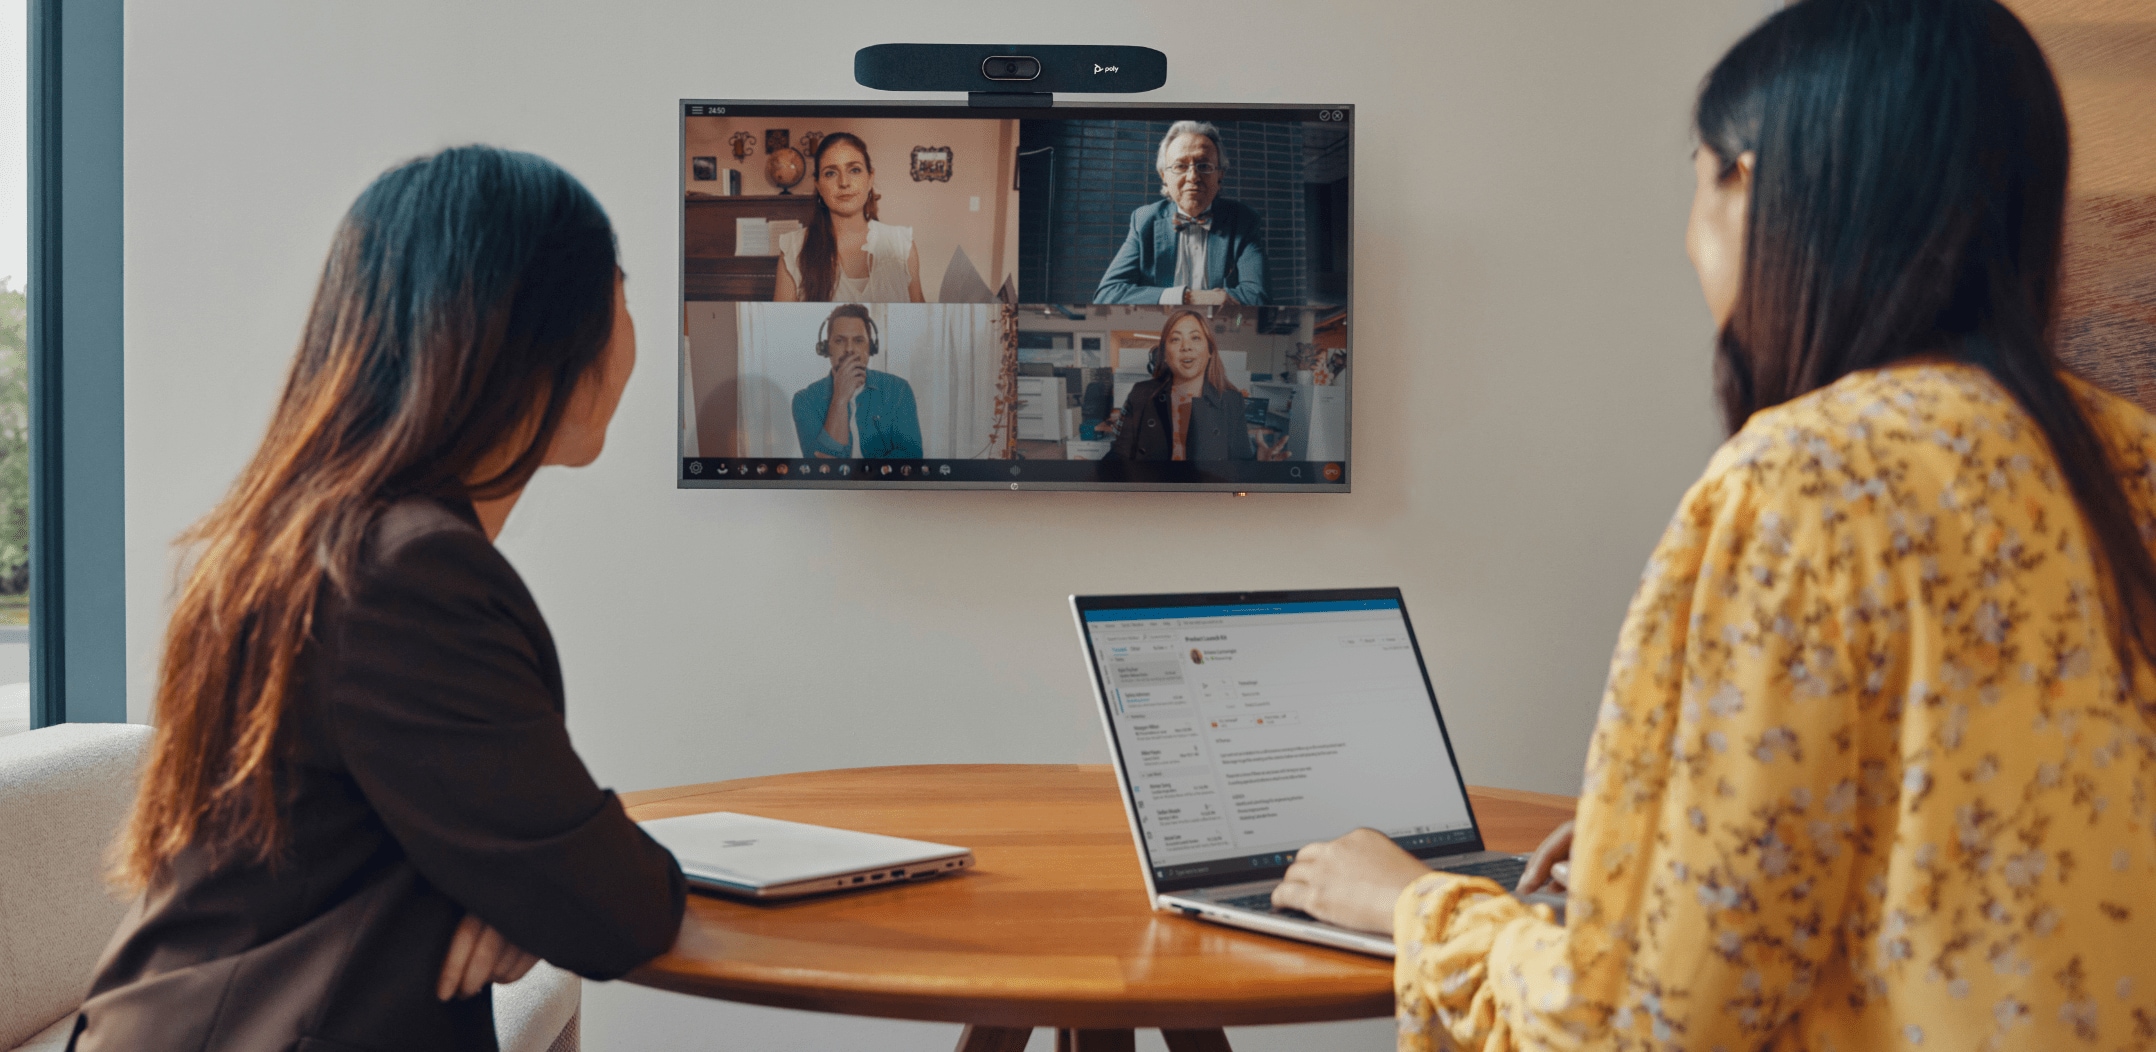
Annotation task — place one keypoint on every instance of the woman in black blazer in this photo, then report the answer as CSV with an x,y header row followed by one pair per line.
x,y
362,806
1188,410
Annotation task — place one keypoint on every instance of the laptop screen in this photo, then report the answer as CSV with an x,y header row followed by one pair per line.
x,y
1251,726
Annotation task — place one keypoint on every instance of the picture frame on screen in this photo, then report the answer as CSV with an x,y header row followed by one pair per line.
x,y
920,295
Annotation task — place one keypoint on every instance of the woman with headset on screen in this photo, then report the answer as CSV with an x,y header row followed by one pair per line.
x,y
1188,410
362,806
845,253
1873,765
855,412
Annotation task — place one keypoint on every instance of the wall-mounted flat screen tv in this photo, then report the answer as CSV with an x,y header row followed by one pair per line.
x,y
943,295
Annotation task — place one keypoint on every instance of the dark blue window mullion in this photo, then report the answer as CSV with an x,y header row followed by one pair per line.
x,y
77,538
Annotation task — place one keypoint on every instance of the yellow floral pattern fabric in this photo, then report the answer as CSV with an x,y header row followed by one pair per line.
x,y
1868,773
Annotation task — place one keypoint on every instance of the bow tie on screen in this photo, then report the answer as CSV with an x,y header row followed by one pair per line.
x,y
1204,222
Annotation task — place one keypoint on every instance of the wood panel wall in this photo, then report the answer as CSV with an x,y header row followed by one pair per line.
x,y
2104,54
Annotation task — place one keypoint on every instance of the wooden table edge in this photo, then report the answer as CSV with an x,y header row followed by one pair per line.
x,y
636,798
1023,1008
1554,801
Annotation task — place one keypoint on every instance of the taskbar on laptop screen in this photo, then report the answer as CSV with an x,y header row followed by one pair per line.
x,y
1092,296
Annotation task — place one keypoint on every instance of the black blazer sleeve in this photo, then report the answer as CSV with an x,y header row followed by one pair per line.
x,y
1140,411
445,708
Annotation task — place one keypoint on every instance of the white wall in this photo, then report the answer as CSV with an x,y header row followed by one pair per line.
x,y
1530,374
14,144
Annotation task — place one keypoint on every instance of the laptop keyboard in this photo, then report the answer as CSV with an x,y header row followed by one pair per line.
x,y
1262,902
1505,871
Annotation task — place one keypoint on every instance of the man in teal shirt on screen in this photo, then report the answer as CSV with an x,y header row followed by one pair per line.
x,y
855,413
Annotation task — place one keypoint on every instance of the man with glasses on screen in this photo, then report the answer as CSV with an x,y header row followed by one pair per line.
x,y
1195,247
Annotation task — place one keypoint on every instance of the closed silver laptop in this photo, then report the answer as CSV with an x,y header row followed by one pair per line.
x,y
751,857
1247,725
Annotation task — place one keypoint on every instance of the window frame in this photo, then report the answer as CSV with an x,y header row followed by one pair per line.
x,y
78,578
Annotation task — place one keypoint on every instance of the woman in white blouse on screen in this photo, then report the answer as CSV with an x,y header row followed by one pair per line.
x,y
844,254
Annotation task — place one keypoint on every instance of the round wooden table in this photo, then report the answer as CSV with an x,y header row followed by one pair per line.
x,y
1052,928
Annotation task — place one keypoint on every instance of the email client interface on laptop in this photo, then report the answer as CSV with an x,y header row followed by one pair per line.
x,y
1250,730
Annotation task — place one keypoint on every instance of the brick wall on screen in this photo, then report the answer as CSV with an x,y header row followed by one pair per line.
x,y
1102,170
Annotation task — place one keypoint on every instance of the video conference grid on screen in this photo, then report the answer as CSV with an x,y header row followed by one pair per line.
x,y
914,294
1250,730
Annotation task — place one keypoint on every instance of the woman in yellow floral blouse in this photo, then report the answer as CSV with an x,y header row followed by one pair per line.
x,y
1876,766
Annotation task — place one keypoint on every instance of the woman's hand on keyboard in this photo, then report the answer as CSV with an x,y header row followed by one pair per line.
x,y
1352,882
1542,872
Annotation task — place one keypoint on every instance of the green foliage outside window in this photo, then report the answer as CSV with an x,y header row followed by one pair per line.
x,y
14,441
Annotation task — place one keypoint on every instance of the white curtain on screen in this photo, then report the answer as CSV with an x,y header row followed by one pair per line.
x,y
688,404
948,353
953,372
775,361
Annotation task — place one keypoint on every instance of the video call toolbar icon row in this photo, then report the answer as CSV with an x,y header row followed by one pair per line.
x,y
766,469
819,470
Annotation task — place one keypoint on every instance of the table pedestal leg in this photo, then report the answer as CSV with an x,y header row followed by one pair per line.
x,y
1196,1040
1014,1039
994,1039
1096,1041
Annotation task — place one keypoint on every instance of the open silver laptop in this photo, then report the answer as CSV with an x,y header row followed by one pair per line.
x,y
747,856
1247,725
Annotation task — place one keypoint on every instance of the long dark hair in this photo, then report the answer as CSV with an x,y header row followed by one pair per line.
x,y
1907,200
466,296
819,243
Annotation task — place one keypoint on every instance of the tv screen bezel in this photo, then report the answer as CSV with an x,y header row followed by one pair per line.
x,y
1341,113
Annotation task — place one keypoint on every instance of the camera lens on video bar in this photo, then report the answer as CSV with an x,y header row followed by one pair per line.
x,y
1011,67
